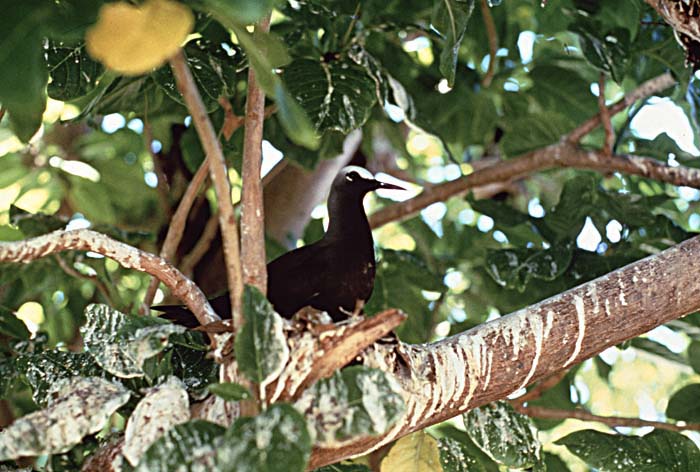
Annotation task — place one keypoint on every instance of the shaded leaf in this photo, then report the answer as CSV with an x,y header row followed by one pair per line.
x,y
685,404
450,18
357,401
513,268
73,73
261,347
337,95
455,457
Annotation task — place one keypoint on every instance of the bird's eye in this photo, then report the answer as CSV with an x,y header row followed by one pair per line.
x,y
351,176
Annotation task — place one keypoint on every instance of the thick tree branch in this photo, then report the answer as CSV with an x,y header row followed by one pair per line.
x,y
562,154
613,421
127,256
253,257
493,360
219,176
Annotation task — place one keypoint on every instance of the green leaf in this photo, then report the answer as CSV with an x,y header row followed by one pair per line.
x,y
685,404
336,95
243,11
121,343
34,224
501,212
229,391
607,50
344,468
450,18
261,347
513,268
658,349
276,437
187,446
505,435
554,463
455,457
73,73
357,401
82,407
45,369
214,70
657,451
23,94
294,120
13,169
694,356
564,92
12,326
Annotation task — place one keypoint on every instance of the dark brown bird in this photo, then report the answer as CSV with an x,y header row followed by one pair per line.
x,y
332,274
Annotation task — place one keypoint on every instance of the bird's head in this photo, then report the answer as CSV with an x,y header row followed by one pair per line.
x,y
354,180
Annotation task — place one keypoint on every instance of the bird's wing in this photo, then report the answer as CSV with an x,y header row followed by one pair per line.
x,y
295,277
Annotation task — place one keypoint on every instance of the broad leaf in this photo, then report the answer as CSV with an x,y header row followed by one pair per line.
x,y
261,347
455,457
121,343
657,451
163,407
417,452
191,446
505,435
229,391
450,18
513,268
82,407
73,73
357,401
276,436
685,404
336,95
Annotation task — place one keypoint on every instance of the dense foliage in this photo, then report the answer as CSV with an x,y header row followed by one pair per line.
x,y
82,145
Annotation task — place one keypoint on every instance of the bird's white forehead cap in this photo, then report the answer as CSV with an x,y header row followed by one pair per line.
x,y
361,171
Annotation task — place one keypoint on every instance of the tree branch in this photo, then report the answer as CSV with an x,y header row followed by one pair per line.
x,y
127,256
672,11
605,117
580,414
493,360
493,42
253,257
219,176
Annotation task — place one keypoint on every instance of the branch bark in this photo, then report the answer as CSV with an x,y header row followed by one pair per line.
x,y
492,35
675,14
130,257
219,176
493,360
253,257
562,154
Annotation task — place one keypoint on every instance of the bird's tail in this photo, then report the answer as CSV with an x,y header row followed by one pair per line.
x,y
181,315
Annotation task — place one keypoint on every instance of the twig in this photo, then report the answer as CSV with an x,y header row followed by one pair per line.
x,y
648,88
2,112
580,414
201,247
162,187
219,176
177,224
252,214
65,267
128,256
540,388
605,118
493,42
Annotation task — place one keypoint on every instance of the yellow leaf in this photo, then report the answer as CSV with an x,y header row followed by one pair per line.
x,y
133,40
417,452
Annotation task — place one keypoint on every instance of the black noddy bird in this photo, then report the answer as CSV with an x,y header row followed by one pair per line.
x,y
333,274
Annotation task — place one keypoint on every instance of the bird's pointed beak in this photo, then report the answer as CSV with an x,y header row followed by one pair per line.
x,y
388,186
